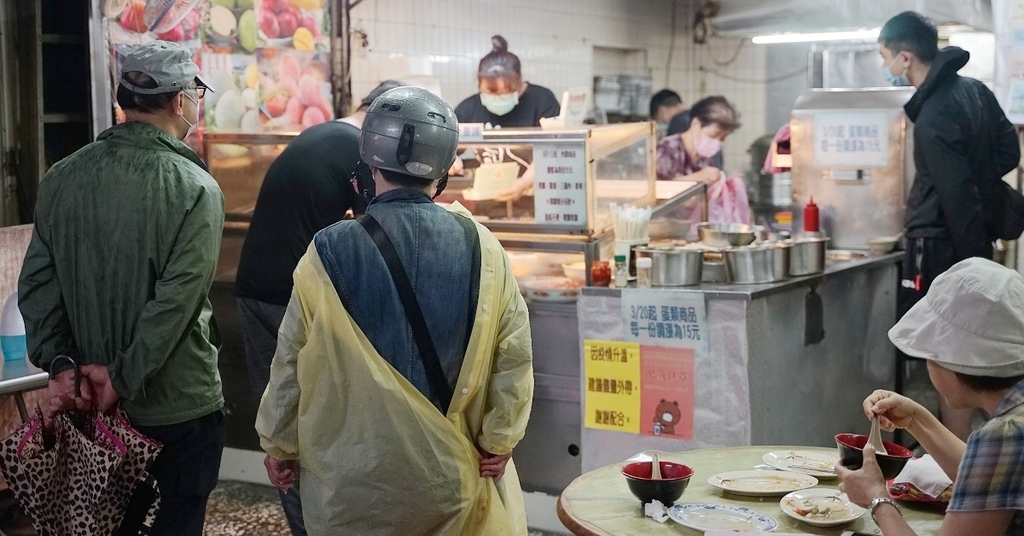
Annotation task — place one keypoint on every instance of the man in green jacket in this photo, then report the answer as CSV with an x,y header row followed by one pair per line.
x,y
127,234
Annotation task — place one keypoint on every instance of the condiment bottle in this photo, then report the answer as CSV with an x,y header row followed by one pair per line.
x,y
621,271
12,330
600,274
643,272
811,223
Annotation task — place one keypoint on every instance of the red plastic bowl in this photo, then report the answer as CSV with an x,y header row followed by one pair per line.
x,y
675,478
851,453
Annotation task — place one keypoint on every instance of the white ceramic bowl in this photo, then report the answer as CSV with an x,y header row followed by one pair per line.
x,y
880,245
575,270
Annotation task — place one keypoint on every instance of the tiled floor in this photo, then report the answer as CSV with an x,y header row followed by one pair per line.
x,y
235,509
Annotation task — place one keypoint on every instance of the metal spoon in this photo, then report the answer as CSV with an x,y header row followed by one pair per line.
x,y
875,437
655,467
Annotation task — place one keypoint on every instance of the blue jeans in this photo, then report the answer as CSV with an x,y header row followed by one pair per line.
x,y
260,321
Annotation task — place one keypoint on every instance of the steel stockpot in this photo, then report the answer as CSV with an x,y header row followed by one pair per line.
x,y
673,266
760,263
807,255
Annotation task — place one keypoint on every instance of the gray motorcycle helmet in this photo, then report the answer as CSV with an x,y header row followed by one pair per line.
x,y
410,130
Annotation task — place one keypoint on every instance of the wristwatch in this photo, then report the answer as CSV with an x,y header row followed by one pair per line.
x,y
879,501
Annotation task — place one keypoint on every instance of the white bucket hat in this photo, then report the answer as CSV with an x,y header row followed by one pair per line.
x,y
971,321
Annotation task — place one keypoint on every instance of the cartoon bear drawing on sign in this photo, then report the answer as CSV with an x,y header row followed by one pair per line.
x,y
666,415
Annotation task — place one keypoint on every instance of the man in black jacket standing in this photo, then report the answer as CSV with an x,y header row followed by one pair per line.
x,y
962,141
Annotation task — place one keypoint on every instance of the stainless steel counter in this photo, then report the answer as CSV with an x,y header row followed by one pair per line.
x,y
790,376
751,292
17,377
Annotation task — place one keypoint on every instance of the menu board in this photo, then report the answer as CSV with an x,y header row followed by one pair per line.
x,y
560,185
851,139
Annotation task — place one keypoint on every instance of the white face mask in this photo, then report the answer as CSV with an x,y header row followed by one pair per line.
x,y
191,125
499,104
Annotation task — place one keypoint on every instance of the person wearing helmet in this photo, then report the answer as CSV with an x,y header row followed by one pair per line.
x,y
404,360
307,188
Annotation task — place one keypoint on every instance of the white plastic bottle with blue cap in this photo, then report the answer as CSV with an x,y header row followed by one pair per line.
x,y
12,330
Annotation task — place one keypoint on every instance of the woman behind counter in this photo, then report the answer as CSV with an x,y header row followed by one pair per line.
x,y
691,155
505,99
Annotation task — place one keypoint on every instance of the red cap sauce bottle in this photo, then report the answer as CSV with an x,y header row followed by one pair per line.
x,y
811,223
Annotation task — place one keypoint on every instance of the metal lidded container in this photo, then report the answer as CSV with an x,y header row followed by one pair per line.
x,y
807,255
674,266
762,263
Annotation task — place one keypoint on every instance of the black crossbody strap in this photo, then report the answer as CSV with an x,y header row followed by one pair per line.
x,y
473,239
431,362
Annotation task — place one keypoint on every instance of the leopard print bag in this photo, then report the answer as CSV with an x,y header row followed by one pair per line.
x,y
77,480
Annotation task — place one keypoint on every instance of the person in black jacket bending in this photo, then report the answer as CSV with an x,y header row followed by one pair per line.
x,y
961,140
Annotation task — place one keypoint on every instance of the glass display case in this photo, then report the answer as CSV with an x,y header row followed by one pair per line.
x,y
575,174
239,161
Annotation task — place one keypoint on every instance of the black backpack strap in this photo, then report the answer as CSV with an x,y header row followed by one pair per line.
x,y
473,239
439,386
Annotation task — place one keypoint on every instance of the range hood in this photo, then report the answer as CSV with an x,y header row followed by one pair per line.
x,y
746,18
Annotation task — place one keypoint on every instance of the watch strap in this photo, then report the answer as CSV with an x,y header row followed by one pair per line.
x,y
878,501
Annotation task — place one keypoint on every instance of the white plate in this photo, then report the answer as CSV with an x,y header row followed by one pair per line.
x,y
762,483
840,509
552,289
707,517
809,463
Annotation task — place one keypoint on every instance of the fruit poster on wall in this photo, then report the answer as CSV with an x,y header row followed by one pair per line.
x,y
268,60
296,90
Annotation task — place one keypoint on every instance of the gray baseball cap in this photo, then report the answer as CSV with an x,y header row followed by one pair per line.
x,y
169,64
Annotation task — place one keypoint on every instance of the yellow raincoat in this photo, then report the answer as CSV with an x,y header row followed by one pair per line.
x,y
376,456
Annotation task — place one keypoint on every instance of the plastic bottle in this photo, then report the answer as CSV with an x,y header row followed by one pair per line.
x,y
12,330
621,271
643,272
811,222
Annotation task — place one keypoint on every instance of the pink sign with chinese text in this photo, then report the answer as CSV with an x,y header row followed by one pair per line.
x,y
667,391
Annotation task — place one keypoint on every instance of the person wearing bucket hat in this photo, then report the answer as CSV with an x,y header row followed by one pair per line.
x,y
123,254
308,187
970,329
408,324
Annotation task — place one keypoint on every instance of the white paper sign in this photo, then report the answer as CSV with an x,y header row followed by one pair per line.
x,y
560,185
672,319
849,139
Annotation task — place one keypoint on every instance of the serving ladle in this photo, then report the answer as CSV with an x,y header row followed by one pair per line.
x,y
655,467
875,437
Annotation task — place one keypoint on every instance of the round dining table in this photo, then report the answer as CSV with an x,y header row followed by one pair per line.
x,y
600,503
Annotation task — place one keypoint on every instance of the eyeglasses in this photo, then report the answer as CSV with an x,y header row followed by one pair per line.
x,y
200,91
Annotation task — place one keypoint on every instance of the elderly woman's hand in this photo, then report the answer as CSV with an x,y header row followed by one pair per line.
x,y
893,409
865,483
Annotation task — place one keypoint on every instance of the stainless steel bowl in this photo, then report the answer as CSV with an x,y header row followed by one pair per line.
x,y
765,263
723,235
674,266
807,255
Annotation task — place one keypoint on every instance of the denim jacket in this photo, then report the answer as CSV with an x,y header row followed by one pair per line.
x,y
436,256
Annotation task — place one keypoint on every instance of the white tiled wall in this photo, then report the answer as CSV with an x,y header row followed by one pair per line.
x,y
555,41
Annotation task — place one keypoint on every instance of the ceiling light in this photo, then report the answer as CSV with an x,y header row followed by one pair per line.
x,y
853,35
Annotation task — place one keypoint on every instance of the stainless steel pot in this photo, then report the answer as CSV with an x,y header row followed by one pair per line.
x,y
764,263
807,255
723,235
674,266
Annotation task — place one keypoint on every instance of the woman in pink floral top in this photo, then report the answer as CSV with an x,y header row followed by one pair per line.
x,y
692,155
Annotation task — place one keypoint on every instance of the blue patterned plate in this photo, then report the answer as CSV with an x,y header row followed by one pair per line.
x,y
705,517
